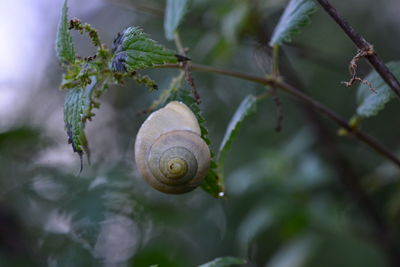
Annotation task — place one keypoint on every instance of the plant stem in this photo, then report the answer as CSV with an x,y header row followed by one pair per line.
x,y
362,136
231,73
186,67
363,45
178,44
275,65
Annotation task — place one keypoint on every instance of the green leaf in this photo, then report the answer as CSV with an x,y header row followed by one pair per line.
x,y
64,44
78,105
247,107
74,105
224,262
133,50
296,15
174,12
212,183
369,102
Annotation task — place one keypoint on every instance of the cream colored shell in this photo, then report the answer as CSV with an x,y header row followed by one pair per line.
x,y
175,129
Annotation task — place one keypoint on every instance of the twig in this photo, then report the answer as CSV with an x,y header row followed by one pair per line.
x,y
362,136
186,68
353,68
363,45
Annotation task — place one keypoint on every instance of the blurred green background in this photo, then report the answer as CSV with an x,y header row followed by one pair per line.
x,y
286,204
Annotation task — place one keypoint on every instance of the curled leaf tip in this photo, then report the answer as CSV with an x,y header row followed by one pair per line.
x,y
117,43
119,61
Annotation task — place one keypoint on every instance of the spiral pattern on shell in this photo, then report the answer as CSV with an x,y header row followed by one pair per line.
x,y
169,151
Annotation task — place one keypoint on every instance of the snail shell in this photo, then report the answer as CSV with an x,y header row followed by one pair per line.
x,y
169,151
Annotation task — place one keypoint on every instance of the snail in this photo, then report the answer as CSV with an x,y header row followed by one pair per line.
x,y
169,151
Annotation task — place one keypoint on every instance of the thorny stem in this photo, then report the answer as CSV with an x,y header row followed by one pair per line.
x,y
362,136
363,45
186,66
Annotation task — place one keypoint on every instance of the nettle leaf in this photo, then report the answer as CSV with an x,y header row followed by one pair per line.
x,y
224,262
212,183
78,105
369,102
297,14
247,107
174,12
133,50
74,106
64,45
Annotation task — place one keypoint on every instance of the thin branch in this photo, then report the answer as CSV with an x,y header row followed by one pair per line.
x,y
363,45
231,73
364,137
